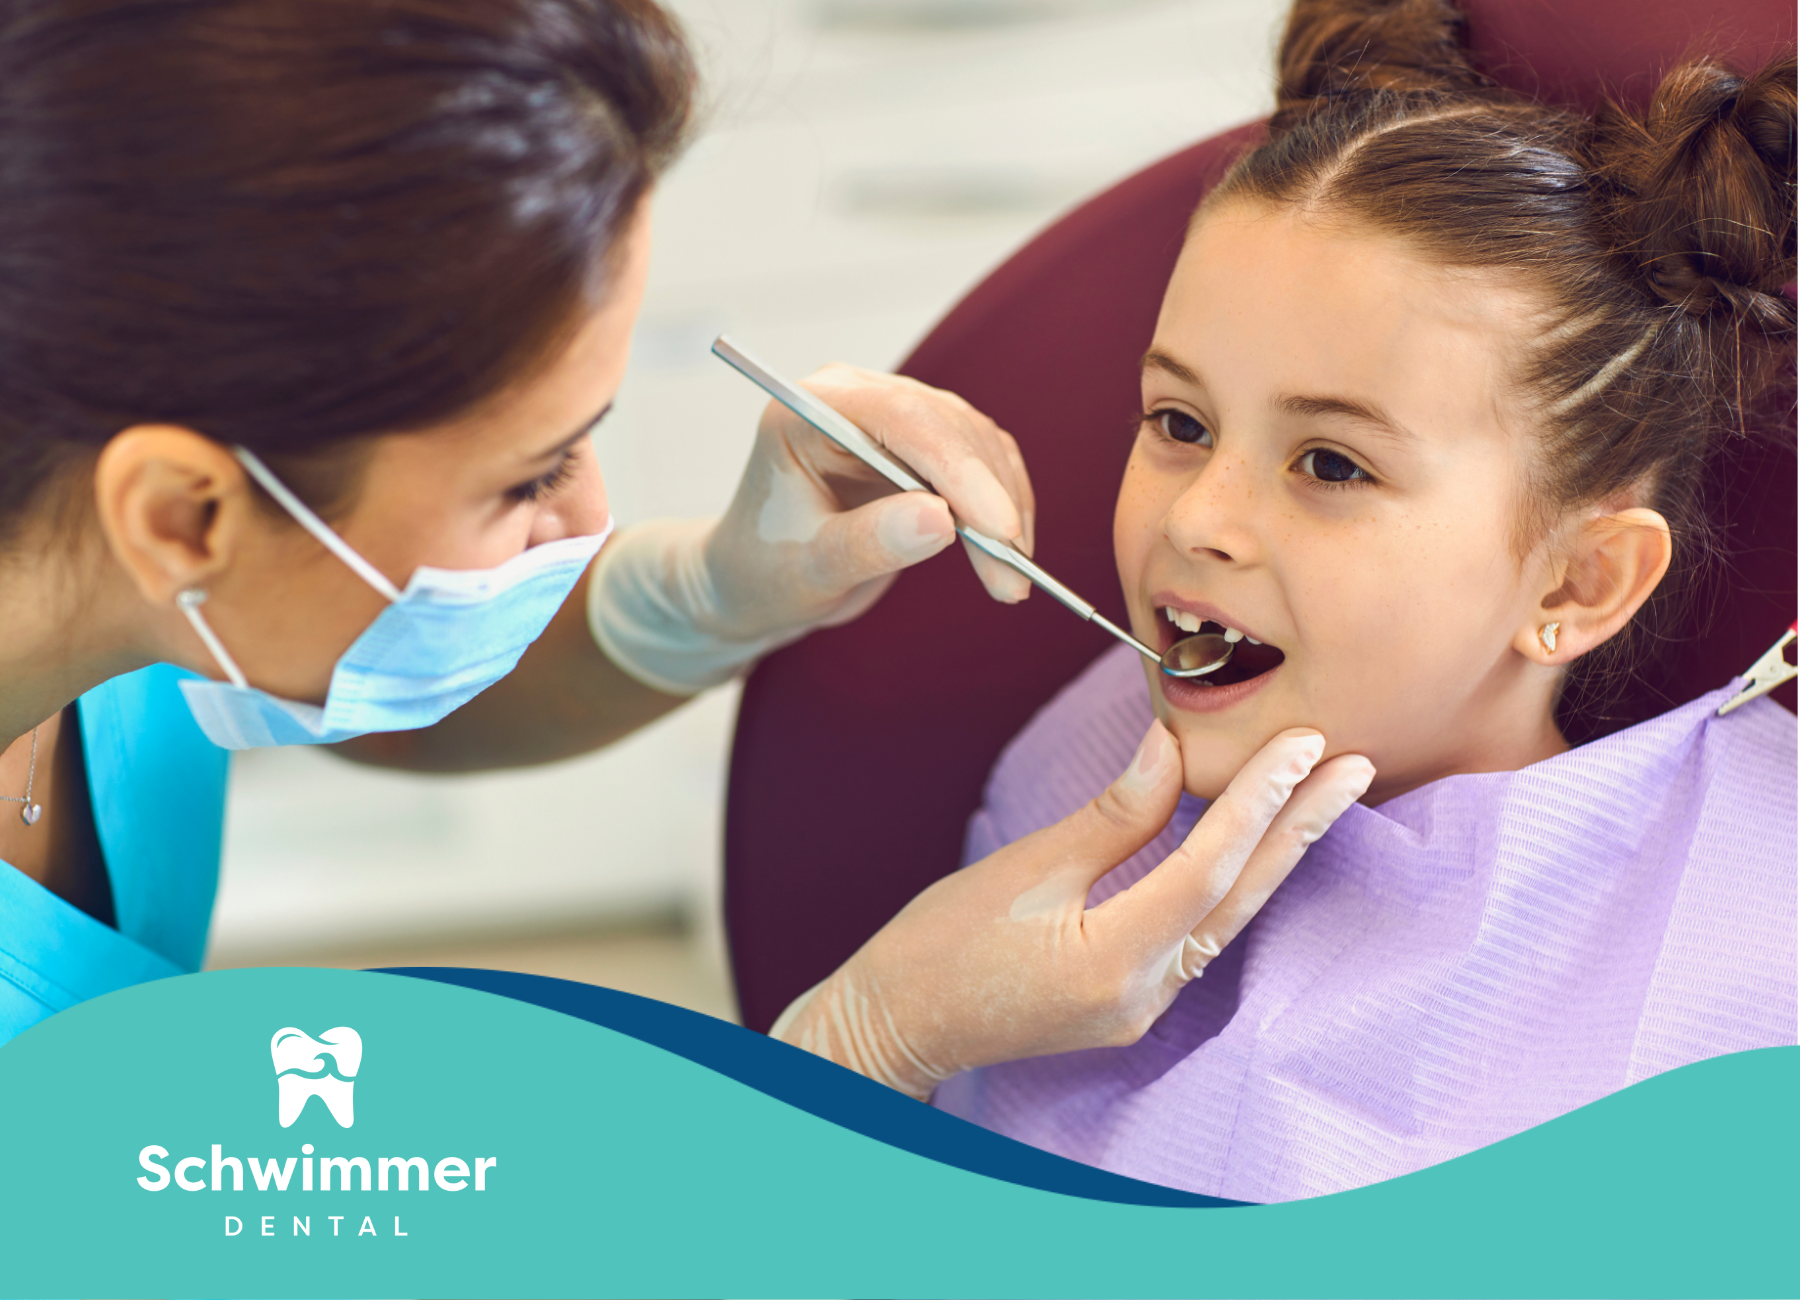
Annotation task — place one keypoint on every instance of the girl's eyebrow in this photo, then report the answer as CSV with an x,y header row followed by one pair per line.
x,y
1367,413
1157,359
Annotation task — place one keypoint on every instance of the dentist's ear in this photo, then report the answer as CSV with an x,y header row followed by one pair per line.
x,y
1607,571
173,506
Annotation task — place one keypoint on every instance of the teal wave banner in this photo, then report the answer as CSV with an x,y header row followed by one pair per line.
x,y
474,1133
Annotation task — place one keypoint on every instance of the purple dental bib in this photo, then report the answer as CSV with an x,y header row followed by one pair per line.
x,y
1459,964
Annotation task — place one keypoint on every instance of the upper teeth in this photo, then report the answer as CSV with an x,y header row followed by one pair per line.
x,y
1182,619
1191,623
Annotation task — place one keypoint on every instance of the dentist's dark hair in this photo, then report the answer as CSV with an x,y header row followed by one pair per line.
x,y
1659,243
292,224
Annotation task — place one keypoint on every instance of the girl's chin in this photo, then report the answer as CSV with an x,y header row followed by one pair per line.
x,y
1211,755
1204,788
1207,765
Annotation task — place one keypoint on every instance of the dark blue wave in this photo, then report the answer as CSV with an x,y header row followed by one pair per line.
x,y
816,1086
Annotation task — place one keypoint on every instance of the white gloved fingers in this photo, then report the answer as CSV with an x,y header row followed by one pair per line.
x,y
812,536
1002,960
949,444
993,962
999,451
874,540
1094,839
1003,582
978,491
1316,803
1022,492
1159,911
785,1021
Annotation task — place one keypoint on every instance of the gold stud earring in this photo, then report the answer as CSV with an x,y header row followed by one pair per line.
x,y
1547,634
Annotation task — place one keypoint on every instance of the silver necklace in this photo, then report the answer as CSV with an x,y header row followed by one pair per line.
x,y
30,813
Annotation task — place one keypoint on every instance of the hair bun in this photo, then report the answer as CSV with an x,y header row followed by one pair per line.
x,y
1706,182
1332,48
1677,282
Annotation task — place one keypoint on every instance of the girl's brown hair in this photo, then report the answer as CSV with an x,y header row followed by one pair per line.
x,y
292,223
1660,242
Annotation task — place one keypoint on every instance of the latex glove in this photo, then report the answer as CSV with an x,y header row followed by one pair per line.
x,y
813,537
1004,959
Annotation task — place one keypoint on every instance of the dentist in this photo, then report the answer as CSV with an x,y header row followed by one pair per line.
x,y
306,311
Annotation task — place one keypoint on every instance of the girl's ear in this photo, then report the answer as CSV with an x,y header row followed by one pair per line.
x,y
172,504
1608,571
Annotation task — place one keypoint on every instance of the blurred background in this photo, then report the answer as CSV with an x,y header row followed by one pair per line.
x,y
860,164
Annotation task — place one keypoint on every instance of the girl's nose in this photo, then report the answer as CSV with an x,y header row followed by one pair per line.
x,y
1213,516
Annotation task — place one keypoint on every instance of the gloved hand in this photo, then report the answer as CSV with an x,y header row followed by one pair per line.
x,y
1004,959
813,536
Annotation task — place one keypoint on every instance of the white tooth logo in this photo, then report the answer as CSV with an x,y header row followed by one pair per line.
x,y
301,1074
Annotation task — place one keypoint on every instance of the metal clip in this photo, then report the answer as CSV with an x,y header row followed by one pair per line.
x,y
1766,673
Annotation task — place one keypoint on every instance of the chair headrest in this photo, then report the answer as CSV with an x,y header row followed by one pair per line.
x,y
1578,52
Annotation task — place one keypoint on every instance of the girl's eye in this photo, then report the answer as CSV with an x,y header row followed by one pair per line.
x,y
545,484
1179,426
1333,468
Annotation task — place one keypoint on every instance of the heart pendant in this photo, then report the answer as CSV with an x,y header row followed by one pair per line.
x,y
31,812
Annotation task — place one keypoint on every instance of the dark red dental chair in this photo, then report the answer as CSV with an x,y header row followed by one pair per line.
x,y
861,751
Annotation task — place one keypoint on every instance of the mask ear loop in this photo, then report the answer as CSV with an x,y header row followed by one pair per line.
x,y
190,600
304,516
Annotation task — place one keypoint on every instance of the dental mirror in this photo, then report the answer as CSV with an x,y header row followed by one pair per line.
x,y
1193,656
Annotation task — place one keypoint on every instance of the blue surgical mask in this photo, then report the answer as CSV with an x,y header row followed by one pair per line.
x,y
446,638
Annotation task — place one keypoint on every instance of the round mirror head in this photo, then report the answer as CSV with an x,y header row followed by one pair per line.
x,y
1196,656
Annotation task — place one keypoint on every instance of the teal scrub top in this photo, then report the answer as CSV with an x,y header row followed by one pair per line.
x,y
157,785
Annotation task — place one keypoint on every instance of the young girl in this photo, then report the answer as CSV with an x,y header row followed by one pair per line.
x,y
1423,420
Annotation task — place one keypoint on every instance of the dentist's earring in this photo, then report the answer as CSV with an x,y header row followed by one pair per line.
x,y
1547,634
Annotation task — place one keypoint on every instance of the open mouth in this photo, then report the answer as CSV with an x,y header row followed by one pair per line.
x,y
1249,659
